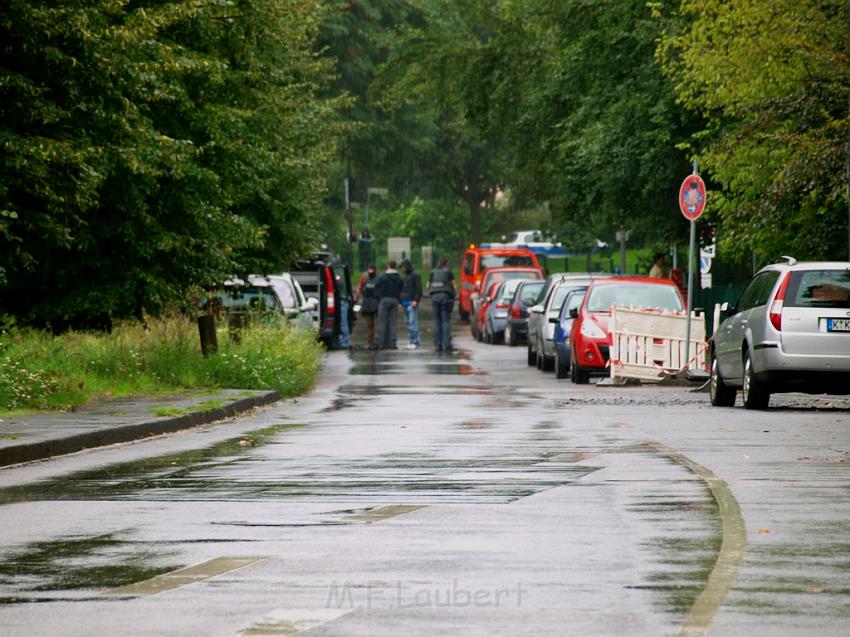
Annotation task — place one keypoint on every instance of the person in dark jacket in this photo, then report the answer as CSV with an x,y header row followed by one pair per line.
x,y
388,288
442,289
411,295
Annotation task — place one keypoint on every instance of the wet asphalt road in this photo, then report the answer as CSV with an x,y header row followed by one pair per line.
x,y
417,494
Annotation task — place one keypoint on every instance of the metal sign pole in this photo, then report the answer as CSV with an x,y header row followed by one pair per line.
x,y
690,293
690,281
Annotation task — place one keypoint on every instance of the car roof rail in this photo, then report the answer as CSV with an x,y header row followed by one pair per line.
x,y
787,259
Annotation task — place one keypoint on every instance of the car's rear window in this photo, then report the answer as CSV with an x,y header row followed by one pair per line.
x,y
663,297
286,293
530,292
819,288
507,275
505,261
573,301
509,289
559,296
251,298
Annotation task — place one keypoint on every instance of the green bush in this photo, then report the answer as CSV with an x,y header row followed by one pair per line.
x,y
41,371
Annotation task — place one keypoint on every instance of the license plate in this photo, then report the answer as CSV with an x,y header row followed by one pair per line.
x,y
838,325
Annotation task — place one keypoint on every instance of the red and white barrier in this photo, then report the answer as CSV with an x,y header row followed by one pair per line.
x,y
649,344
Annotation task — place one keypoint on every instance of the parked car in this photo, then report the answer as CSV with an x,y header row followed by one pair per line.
x,y
561,336
516,328
269,298
543,315
496,316
497,275
476,262
590,338
293,298
789,331
476,321
330,284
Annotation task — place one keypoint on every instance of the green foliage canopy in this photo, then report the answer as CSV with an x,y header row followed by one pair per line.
x,y
772,78
152,146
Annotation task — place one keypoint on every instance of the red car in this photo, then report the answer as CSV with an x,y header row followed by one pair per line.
x,y
590,339
476,321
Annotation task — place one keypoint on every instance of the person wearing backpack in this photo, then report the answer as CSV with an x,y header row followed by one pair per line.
x,y
442,290
367,296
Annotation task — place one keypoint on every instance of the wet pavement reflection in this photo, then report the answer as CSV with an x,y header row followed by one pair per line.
x,y
413,469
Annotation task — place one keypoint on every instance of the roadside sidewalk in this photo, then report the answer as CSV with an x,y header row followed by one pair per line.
x,y
107,422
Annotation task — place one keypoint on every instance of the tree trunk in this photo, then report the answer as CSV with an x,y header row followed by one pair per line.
x,y
475,220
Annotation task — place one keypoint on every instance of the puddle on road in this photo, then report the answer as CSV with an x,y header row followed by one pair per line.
x,y
686,539
475,425
73,563
451,368
683,566
405,390
226,472
119,481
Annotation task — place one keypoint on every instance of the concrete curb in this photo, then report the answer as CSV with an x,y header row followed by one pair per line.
x,y
112,435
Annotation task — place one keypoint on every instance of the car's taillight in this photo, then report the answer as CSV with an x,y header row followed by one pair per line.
x,y
516,312
329,283
502,306
779,303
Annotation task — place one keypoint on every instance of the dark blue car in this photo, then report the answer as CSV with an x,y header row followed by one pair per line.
x,y
562,331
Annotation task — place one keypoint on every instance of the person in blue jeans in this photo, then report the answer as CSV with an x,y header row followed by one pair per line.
x,y
442,289
411,295
388,288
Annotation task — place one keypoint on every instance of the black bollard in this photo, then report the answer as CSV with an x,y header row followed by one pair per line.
x,y
235,323
206,330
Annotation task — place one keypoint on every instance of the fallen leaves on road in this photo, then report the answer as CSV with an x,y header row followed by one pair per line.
x,y
763,530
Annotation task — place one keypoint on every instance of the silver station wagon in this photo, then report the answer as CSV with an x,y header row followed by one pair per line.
x,y
789,331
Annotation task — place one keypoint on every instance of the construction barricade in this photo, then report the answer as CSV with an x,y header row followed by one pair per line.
x,y
649,344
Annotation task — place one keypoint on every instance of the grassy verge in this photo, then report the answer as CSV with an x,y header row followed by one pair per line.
x,y
42,371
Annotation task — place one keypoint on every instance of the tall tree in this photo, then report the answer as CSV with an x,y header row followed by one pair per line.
x,y
773,80
153,146
438,70
593,124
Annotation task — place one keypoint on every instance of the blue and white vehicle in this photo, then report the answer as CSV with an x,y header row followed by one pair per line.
x,y
563,327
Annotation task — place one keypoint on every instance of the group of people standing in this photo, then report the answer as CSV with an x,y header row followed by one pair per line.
x,y
382,296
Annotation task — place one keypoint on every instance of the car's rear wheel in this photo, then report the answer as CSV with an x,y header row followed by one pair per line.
x,y
562,368
510,336
532,355
539,361
496,337
754,393
488,335
721,394
577,374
